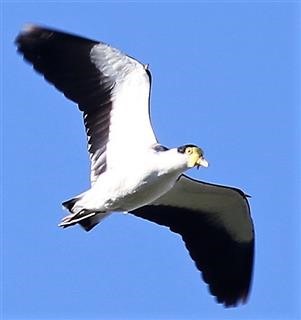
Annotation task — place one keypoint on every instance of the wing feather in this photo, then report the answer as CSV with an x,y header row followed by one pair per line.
x,y
215,224
110,88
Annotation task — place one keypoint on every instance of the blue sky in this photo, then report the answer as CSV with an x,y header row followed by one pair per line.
x,y
226,76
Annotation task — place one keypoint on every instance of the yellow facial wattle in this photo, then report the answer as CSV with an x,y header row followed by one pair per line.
x,y
196,158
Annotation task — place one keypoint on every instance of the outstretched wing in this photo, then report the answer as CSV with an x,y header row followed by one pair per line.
x,y
110,88
215,224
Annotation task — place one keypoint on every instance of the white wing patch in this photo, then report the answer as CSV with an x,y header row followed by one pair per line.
x,y
130,125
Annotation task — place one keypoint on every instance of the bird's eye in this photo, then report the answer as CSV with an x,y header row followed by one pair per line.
x,y
188,150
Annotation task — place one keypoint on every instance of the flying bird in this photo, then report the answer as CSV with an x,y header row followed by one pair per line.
x,y
131,171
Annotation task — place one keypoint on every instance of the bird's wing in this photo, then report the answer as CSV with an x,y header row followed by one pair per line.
x,y
215,224
111,88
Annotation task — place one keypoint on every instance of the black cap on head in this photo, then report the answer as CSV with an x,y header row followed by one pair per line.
x,y
182,149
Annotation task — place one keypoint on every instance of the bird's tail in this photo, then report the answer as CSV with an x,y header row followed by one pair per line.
x,y
86,218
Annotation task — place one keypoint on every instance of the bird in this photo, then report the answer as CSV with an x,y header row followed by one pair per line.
x,y
131,171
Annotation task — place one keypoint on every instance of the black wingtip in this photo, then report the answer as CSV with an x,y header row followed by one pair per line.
x,y
29,30
233,302
226,265
29,39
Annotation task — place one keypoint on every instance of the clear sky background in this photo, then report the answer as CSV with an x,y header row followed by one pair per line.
x,y
226,76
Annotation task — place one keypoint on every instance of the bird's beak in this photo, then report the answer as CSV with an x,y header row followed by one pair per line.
x,y
202,162
196,159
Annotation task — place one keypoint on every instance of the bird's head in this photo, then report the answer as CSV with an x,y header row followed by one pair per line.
x,y
194,155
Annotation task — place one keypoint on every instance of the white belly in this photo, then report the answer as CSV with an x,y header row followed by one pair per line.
x,y
119,192
144,193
